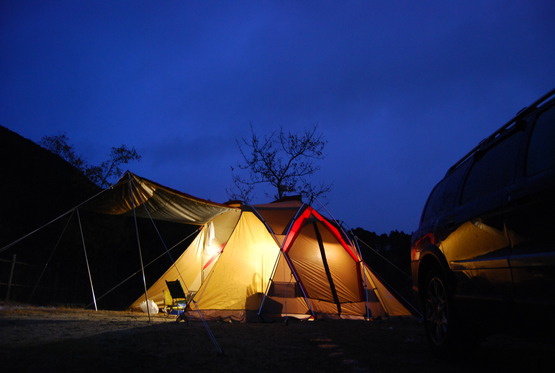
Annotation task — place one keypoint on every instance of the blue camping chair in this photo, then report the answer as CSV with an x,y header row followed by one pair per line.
x,y
179,300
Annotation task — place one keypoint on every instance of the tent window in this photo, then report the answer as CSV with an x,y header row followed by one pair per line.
x,y
285,290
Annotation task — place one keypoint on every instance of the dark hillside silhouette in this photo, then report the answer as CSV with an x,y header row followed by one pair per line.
x,y
38,186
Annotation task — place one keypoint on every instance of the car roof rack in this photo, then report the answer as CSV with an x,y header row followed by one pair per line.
x,y
507,126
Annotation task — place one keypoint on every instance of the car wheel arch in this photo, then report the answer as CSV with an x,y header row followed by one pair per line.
x,y
433,259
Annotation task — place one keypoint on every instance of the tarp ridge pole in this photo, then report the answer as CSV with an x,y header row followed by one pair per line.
x,y
139,246
86,259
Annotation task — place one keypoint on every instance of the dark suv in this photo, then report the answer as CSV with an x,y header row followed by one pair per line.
x,y
483,257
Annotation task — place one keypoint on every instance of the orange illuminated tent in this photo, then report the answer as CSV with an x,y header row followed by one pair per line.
x,y
281,259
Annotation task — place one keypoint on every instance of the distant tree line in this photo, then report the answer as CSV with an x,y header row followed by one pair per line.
x,y
389,257
394,246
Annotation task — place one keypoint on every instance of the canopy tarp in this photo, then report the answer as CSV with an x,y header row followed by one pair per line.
x,y
152,200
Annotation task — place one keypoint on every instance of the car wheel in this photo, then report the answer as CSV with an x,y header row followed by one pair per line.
x,y
445,331
436,311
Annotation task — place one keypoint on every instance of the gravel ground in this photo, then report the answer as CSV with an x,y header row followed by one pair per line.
x,y
59,339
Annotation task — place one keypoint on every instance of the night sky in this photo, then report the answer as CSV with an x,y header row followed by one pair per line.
x,y
400,89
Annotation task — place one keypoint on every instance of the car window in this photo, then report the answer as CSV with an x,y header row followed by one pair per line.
x,y
493,169
541,149
444,195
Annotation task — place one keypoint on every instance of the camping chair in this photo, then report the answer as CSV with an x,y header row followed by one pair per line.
x,y
177,299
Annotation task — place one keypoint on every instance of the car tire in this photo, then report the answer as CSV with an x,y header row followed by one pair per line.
x,y
447,333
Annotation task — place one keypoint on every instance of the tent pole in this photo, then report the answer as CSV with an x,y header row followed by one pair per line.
x,y
86,259
363,278
139,246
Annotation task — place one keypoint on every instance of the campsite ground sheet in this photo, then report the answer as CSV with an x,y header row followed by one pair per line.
x,y
60,339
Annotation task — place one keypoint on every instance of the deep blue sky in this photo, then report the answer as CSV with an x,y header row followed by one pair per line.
x,y
400,89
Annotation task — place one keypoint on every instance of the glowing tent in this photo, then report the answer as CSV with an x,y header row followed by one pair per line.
x,y
278,259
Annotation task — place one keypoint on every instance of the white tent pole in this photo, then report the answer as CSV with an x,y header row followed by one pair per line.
x,y
86,258
139,246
